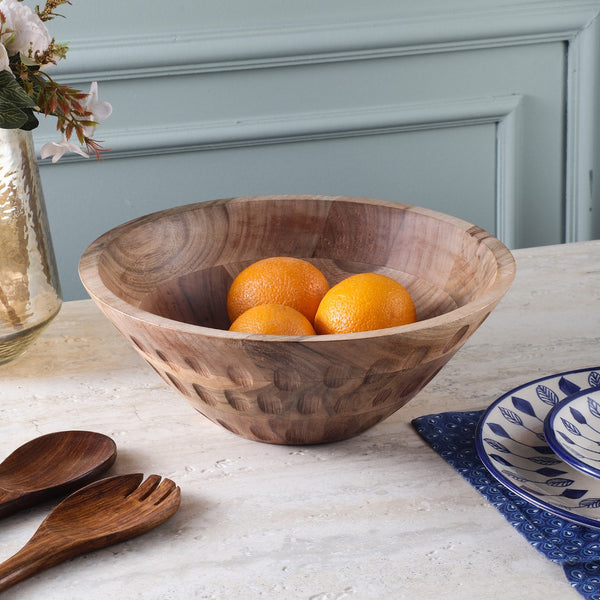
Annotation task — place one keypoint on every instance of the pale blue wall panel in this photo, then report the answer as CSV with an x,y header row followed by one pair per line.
x,y
386,166
470,107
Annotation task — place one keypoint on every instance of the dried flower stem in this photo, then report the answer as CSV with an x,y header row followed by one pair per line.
x,y
63,102
47,14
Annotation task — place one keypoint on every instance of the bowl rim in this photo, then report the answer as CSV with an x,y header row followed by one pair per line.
x,y
91,280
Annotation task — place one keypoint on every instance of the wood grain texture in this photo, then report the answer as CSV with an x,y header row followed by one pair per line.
x,y
162,280
98,515
53,465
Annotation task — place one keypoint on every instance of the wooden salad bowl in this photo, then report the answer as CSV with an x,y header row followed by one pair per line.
x,y
162,280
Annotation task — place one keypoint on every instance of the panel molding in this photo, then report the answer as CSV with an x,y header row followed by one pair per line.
x,y
199,51
507,174
582,160
503,111
302,127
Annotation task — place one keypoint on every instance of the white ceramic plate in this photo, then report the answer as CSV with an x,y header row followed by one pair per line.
x,y
510,441
572,430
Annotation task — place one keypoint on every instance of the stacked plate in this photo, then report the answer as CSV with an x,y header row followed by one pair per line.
x,y
542,441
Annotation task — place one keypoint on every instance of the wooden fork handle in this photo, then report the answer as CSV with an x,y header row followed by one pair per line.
x,y
37,555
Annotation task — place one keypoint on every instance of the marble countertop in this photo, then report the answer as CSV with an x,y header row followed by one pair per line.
x,y
377,517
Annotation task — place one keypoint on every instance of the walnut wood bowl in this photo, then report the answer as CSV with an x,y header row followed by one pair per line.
x,y
162,280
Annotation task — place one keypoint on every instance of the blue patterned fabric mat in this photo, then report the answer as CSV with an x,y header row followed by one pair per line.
x,y
575,547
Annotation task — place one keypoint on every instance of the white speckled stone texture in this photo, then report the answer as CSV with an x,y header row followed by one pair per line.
x,y
377,517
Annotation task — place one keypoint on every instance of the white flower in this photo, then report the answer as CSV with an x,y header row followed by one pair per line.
x,y
100,110
57,149
4,66
24,30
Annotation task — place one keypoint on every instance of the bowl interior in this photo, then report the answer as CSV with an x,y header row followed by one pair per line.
x,y
180,263
199,297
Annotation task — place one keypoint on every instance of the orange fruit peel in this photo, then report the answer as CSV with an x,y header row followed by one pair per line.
x,y
364,302
283,280
273,319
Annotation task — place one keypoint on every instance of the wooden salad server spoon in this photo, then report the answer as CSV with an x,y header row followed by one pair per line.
x,y
102,513
52,465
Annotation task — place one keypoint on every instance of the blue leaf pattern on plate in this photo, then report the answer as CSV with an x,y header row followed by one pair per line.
x,y
515,476
570,427
578,416
544,460
547,395
548,472
594,407
514,419
543,449
511,416
501,460
566,438
590,503
560,482
574,494
499,430
539,460
497,445
524,406
567,387
594,379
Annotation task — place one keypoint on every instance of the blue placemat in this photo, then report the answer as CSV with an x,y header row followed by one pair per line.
x,y
575,547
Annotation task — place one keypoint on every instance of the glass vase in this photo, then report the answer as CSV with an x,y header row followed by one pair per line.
x,y
30,295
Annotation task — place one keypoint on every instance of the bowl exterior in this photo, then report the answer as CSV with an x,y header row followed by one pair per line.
x,y
295,392
145,276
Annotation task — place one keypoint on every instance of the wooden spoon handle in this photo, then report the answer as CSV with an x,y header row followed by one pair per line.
x,y
12,501
38,554
8,500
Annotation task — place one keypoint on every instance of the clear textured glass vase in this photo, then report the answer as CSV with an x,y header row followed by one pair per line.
x,y
30,295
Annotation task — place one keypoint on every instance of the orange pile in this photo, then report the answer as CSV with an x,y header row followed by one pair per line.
x,y
290,296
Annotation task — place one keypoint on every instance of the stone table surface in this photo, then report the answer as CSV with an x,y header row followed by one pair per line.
x,y
380,516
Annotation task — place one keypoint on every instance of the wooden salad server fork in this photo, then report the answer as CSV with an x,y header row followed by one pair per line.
x,y
52,465
102,513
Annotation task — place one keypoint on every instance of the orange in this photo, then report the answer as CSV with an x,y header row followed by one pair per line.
x,y
274,319
363,302
277,280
